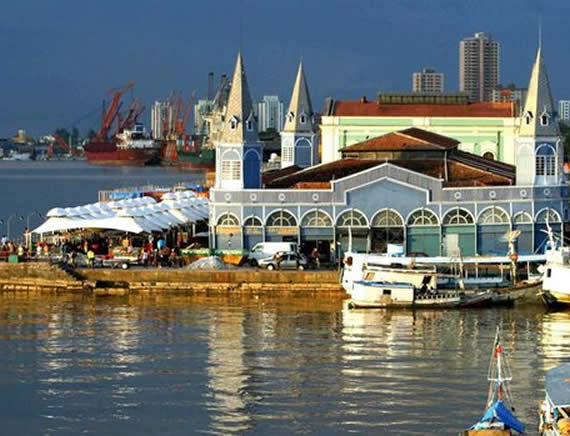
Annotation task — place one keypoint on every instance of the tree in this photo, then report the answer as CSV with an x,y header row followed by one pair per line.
x,y
565,130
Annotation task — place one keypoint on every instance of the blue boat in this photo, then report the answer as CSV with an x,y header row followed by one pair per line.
x,y
499,418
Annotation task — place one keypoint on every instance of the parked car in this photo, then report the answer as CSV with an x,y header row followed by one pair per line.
x,y
290,260
264,250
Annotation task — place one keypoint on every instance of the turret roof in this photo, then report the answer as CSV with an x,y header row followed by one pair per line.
x,y
239,110
538,103
300,105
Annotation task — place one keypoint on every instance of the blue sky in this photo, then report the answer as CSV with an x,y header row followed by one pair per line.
x,y
61,57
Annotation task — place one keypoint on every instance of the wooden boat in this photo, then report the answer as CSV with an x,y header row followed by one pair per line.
x,y
554,411
498,419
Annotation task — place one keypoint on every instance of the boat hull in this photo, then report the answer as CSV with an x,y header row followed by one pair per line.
x,y
110,154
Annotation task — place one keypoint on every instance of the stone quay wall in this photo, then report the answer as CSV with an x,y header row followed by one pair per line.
x,y
43,277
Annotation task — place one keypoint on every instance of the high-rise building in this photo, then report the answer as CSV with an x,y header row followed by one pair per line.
x,y
270,113
564,111
478,66
428,80
160,119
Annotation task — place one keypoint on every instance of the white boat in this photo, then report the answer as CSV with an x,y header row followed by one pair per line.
x,y
556,277
554,411
419,290
18,156
498,419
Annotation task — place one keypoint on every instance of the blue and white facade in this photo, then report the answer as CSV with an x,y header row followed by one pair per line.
x,y
389,203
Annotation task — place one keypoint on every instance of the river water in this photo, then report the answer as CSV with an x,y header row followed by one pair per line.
x,y
30,187
195,365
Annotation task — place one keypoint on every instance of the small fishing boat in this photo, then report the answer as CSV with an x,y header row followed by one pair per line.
x,y
554,411
499,418
383,294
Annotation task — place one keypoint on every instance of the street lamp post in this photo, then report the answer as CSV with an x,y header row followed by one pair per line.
x,y
35,212
20,217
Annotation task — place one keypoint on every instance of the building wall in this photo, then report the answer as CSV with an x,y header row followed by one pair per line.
x,y
387,187
428,81
564,111
476,135
478,66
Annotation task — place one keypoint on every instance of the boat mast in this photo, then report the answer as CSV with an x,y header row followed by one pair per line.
x,y
497,376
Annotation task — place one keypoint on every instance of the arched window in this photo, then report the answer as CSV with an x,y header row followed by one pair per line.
x,y
290,117
457,216
231,166
548,214
252,221
249,123
544,119
528,117
228,220
387,218
351,218
303,118
489,155
545,161
316,218
233,122
281,218
423,217
522,218
494,215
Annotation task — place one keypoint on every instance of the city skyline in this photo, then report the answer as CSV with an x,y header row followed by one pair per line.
x,y
59,70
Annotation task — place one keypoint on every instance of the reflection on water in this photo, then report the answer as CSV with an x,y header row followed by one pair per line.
x,y
179,365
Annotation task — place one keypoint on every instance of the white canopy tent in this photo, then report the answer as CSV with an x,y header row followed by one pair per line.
x,y
133,215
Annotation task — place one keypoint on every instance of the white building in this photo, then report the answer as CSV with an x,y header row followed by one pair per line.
x,y
270,113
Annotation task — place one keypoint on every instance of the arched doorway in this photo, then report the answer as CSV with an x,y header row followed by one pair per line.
x,y
458,233
281,226
523,221
387,228
546,218
252,232
317,231
423,233
494,223
228,232
352,231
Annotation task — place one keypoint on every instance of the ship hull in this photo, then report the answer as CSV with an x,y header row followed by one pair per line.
x,y
110,154
205,160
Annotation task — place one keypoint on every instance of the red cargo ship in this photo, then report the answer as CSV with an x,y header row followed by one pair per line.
x,y
130,146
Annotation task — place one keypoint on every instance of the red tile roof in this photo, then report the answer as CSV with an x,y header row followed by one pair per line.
x,y
373,109
408,139
270,175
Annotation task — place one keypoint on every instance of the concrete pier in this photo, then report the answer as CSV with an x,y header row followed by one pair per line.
x,y
43,277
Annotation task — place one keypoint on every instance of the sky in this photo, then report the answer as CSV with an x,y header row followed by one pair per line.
x,y
60,58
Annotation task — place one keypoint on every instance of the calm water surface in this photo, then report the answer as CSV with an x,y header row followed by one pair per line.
x,y
38,186
189,365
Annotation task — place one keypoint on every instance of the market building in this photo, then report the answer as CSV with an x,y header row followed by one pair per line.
x,y
407,185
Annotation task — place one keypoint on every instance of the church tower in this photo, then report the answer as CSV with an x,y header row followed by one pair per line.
x,y
299,135
540,151
238,152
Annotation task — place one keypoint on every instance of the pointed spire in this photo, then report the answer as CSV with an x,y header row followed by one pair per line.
x,y
240,125
299,117
538,114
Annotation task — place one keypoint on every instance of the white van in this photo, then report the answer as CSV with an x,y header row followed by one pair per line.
x,y
263,250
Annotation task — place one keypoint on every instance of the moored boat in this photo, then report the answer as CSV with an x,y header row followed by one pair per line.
x,y
372,293
554,411
499,418
556,278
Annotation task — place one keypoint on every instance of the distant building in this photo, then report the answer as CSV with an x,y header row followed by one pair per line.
x,y
201,110
564,111
270,113
478,66
428,80
160,117
509,93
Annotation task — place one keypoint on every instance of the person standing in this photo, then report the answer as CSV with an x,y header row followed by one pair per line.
x,y
91,258
315,256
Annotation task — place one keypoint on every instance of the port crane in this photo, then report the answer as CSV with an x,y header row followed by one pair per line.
x,y
175,125
113,111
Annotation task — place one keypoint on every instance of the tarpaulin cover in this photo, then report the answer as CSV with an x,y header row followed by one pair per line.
x,y
499,412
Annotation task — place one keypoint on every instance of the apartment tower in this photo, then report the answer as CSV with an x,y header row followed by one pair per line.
x,y
427,80
478,66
